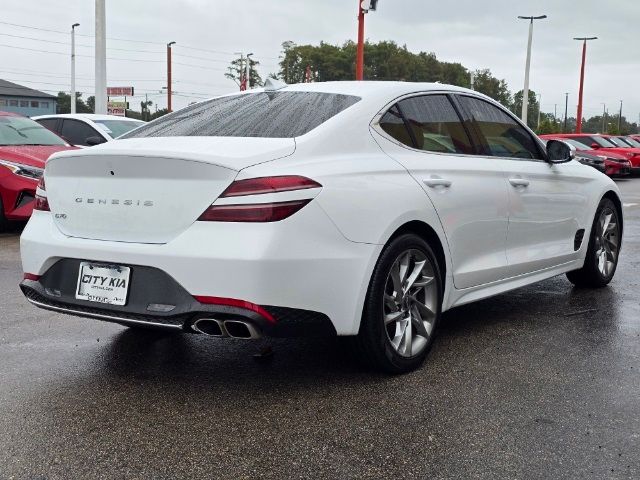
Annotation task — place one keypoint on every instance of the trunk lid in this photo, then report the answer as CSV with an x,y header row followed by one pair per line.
x,y
148,190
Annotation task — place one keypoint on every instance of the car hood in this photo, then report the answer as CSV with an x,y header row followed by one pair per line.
x,y
32,155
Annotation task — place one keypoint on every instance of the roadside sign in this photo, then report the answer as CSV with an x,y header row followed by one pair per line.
x,y
113,104
117,108
120,91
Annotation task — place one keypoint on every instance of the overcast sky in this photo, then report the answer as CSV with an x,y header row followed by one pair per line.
x,y
476,34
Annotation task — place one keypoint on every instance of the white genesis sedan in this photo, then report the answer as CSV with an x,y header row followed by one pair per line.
x,y
361,209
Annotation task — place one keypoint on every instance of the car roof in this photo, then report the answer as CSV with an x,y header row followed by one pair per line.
x,y
369,89
87,116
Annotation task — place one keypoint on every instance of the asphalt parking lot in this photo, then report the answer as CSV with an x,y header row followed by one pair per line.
x,y
543,382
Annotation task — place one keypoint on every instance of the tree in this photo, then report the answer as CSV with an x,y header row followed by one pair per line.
x,y
485,82
145,109
237,71
532,112
158,113
91,104
64,103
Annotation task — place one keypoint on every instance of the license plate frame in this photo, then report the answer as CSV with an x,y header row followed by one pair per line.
x,y
102,283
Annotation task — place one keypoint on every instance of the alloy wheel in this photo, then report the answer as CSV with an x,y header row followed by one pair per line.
x,y
607,242
410,303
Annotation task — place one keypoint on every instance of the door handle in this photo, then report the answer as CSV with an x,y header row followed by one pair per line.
x,y
519,182
434,182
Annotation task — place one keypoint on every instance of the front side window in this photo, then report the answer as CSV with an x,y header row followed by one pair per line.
x,y
594,141
618,142
77,132
434,124
280,114
634,143
503,136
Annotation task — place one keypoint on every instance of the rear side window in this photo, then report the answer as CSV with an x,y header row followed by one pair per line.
x,y
77,132
49,123
393,124
502,135
267,115
435,126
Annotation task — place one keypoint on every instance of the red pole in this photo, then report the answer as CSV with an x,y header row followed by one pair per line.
x,y
579,117
360,51
169,76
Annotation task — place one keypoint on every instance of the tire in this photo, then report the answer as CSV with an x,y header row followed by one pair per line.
x,y
397,330
603,251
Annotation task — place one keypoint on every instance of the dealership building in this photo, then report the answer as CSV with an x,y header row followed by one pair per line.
x,y
24,100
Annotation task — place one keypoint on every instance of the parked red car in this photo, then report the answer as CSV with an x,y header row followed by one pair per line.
x,y
615,164
604,144
24,148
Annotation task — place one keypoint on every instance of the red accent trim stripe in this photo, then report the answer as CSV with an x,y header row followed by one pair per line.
x,y
232,302
31,276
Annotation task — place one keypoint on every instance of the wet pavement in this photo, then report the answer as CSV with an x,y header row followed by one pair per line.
x,y
543,382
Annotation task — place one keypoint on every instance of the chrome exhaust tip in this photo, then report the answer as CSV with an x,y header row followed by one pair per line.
x,y
240,329
210,326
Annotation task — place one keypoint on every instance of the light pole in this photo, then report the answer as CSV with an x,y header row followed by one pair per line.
x,y
101,58
539,108
527,68
584,56
566,109
604,116
247,72
169,76
364,6
72,99
620,120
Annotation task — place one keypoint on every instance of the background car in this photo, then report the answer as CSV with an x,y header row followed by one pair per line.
x,y
604,144
24,147
87,129
611,164
359,209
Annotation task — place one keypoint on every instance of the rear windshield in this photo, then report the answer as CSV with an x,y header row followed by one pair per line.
x,y
267,115
24,131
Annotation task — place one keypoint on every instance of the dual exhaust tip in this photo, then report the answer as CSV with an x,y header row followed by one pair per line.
x,y
226,328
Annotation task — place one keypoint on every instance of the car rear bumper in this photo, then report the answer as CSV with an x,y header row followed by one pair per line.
x,y
301,271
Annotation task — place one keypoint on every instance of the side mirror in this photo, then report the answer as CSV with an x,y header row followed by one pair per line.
x,y
559,152
595,146
95,140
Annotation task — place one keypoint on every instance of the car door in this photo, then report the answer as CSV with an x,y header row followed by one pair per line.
x,y
426,135
77,132
546,201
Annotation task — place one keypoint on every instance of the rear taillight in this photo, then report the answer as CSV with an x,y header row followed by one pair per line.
x,y
257,186
260,212
255,212
41,202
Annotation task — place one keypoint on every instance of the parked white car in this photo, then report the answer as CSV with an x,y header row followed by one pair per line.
x,y
87,129
360,209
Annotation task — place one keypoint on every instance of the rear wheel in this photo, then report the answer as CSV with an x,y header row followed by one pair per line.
x,y
402,307
604,247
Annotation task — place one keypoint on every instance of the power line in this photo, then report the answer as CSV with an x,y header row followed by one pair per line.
x,y
188,47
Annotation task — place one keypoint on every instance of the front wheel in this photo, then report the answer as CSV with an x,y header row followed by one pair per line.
x,y
402,307
604,248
